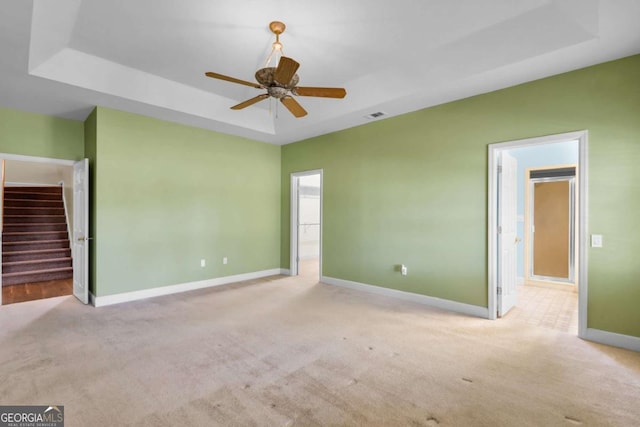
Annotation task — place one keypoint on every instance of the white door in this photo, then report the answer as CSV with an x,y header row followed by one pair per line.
x,y
507,233
81,230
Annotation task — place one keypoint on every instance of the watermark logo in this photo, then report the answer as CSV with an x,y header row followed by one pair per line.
x,y
32,416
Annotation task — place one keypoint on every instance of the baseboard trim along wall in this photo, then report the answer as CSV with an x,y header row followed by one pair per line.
x,y
182,287
611,338
458,307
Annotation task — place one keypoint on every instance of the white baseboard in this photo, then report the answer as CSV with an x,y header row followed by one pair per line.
x,y
611,338
285,271
458,307
182,287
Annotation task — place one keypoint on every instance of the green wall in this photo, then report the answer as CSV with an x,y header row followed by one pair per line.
x,y
168,195
413,189
38,135
410,189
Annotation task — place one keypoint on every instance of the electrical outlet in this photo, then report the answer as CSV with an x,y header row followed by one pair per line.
x,y
203,262
225,260
403,270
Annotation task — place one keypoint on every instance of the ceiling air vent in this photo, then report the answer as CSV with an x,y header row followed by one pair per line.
x,y
375,115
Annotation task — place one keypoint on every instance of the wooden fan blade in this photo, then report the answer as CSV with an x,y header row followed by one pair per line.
x,y
325,92
293,106
251,101
287,68
232,80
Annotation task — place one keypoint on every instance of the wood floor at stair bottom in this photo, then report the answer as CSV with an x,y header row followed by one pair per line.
x,y
33,291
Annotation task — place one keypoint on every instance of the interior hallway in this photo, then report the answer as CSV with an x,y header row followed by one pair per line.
x,y
547,307
309,268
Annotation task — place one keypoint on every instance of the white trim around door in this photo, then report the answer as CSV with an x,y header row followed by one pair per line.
x,y
34,159
293,219
492,226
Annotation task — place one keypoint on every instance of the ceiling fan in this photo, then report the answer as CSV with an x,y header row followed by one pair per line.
x,y
281,82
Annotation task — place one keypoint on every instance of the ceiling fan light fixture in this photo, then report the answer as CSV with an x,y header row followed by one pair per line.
x,y
280,81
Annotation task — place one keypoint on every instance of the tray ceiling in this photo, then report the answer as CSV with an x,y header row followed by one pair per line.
x,y
149,56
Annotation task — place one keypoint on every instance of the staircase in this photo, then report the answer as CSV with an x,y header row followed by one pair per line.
x,y
35,241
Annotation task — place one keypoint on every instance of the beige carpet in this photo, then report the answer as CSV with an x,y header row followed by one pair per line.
x,y
289,351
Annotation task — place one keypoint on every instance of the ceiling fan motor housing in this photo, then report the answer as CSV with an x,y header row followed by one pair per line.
x,y
277,91
265,76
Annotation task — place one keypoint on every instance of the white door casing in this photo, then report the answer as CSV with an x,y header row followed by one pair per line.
x,y
507,233
81,230
582,192
294,256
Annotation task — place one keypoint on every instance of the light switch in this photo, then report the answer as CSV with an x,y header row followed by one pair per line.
x,y
596,240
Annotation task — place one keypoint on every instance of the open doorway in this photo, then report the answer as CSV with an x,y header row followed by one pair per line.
x,y
306,223
544,290
44,227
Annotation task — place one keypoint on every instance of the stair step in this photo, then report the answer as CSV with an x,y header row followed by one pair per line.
x,y
38,245
35,241
21,219
34,189
8,202
12,228
36,254
33,210
30,236
32,195
9,279
35,265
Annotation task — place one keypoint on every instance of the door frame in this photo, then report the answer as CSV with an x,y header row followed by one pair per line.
x,y
31,159
293,219
529,198
582,192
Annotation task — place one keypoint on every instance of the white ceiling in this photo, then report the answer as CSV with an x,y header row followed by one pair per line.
x,y
149,57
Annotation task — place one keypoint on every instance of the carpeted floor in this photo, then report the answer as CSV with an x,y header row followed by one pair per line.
x,y
291,351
